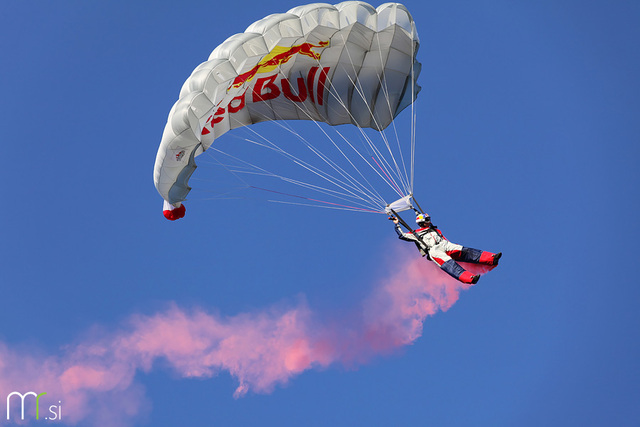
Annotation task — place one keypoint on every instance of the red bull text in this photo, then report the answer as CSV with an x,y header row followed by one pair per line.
x,y
311,88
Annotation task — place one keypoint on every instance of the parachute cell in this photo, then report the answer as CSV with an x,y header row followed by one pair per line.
x,y
344,64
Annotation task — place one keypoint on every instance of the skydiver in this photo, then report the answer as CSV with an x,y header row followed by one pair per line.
x,y
432,244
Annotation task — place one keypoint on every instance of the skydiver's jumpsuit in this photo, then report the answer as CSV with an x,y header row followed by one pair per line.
x,y
444,253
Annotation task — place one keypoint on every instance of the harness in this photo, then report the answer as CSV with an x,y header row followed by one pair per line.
x,y
423,232
424,251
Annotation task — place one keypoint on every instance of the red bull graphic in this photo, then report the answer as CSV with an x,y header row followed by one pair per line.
x,y
278,56
311,88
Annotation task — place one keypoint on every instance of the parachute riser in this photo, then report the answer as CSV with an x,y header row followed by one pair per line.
x,y
402,221
413,232
417,204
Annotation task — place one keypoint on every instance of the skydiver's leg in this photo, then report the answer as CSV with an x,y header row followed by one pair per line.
x,y
489,258
475,256
455,270
448,265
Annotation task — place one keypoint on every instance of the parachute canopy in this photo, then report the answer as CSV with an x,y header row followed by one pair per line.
x,y
343,64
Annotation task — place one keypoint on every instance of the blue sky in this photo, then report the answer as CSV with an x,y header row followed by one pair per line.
x,y
527,143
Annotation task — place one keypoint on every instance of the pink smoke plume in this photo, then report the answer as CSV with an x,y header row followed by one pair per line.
x,y
261,350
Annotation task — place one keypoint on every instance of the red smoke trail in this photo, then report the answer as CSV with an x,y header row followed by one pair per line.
x,y
261,350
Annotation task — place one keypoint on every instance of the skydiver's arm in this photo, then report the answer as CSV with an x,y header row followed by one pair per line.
x,y
410,237
403,236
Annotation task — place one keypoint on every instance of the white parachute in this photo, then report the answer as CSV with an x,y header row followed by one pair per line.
x,y
348,63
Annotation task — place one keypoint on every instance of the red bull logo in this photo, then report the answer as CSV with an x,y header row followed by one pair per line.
x,y
305,89
274,59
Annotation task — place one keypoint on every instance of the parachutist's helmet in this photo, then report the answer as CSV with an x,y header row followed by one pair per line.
x,y
422,218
